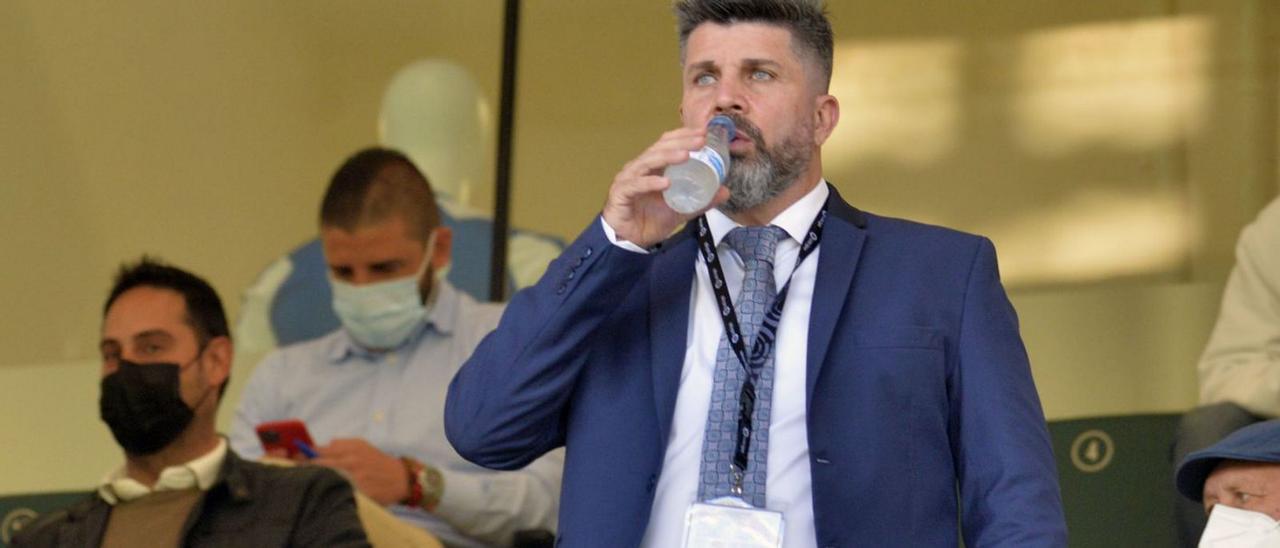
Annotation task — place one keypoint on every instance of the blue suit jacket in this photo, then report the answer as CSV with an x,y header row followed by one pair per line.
x,y
922,414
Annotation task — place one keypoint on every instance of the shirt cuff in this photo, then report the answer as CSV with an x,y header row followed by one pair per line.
x,y
610,233
464,496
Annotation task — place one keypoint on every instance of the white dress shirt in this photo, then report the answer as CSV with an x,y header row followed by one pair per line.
x,y
788,487
199,472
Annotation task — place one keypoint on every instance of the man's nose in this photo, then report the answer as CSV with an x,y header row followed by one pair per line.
x,y
729,97
362,277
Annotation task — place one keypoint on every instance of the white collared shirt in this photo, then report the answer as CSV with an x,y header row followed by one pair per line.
x,y
788,488
200,472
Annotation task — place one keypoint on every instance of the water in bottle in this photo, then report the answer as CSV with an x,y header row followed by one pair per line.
x,y
695,182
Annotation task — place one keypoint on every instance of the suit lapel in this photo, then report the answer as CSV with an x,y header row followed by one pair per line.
x,y
841,246
670,284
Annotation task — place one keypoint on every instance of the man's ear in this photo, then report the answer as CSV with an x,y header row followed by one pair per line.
x,y
217,357
826,114
443,250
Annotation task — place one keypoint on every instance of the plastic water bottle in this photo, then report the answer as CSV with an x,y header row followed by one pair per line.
x,y
695,182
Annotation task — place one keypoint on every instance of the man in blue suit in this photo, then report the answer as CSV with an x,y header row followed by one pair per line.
x,y
885,399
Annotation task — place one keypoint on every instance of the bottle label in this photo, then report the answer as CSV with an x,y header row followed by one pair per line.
x,y
712,158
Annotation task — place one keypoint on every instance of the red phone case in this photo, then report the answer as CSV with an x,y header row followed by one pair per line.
x,y
285,434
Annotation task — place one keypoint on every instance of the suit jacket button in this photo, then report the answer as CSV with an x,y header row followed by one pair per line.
x,y
570,275
560,290
586,253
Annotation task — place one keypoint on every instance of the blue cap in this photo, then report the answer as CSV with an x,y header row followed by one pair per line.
x,y
727,122
1254,443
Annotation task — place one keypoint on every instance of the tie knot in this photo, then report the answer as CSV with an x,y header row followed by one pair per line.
x,y
755,244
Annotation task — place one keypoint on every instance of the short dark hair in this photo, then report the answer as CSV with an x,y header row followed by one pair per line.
x,y
204,309
375,184
811,34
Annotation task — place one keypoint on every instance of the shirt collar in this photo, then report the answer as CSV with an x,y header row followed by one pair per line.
x,y
442,316
795,220
200,472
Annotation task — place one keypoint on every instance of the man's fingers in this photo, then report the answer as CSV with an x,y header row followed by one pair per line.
x,y
347,443
671,148
633,188
634,208
667,151
326,461
333,455
345,448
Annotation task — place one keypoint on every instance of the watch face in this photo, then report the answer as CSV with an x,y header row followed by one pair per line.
x,y
432,484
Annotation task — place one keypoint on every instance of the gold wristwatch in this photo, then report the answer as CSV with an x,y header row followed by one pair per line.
x,y
426,484
432,483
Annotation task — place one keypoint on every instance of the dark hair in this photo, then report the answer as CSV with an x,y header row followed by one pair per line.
x,y
375,184
204,309
806,19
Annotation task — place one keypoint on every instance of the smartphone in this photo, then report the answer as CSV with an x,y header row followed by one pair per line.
x,y
290,435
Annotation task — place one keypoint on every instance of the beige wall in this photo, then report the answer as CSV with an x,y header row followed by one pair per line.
x,y
1077,135
1093,141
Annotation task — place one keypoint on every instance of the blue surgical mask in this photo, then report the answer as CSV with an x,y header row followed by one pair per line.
x,y
383,315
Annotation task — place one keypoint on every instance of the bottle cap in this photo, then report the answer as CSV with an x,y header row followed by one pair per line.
x,y
725,122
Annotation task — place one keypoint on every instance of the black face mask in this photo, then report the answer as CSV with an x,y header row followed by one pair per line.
x,y
143,406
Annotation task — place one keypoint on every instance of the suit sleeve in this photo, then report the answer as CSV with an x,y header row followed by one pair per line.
x,y
1008,478
329,516
1241,363
506,405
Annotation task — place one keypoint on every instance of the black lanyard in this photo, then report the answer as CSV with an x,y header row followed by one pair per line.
x,y
752,363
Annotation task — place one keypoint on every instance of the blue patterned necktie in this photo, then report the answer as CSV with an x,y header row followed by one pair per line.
x,y
756,246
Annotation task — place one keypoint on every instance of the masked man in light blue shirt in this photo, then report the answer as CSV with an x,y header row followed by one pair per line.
x,y
371,393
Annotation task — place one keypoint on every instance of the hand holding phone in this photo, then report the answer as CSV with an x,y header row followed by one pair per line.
x,y
289,436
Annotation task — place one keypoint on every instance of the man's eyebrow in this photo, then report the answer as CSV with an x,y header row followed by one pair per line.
x,y
750,63
700,66
760,62
153,334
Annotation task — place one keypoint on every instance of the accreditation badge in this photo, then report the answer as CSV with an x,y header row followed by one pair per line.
x,y
728,522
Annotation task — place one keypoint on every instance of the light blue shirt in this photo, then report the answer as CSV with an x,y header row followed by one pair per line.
x,y
395,401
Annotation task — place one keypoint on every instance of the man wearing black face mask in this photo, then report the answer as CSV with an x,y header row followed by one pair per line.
x,y
166,358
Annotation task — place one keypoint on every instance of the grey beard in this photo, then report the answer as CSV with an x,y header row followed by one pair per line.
x,y
755,181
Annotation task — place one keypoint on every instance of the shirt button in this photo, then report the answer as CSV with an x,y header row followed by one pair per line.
x,y
379,416
391,358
